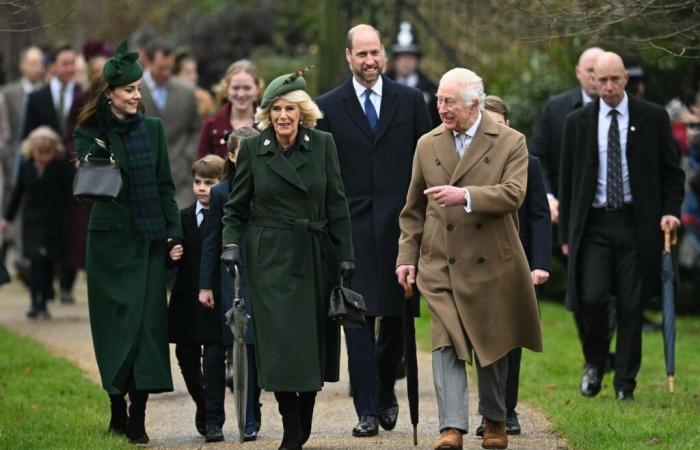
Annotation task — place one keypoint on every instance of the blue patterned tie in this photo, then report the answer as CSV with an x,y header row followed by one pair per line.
x,y
370,112
614,176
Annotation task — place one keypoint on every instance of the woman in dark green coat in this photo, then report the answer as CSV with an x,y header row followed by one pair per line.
x,y
126,247
288,190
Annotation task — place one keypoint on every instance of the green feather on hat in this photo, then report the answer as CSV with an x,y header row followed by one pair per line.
x,y
283,84
122,68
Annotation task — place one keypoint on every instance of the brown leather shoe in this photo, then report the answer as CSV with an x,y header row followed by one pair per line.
x,y
450,439
494,434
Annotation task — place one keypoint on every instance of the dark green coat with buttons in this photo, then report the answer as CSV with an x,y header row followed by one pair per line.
x,y
299,230
126,278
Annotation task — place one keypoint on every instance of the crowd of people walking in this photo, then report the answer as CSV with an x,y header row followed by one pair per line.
x,y
388,180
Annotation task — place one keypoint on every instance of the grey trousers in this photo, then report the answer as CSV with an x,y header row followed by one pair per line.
x,y
450,378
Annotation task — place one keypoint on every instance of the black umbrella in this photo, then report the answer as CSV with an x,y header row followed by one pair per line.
x,y
668,297
237,318
410,357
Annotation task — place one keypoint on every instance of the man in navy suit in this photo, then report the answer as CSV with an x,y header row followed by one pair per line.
x,y
51,104
376,123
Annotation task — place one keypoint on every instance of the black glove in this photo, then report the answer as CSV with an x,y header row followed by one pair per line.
x,y
347,269
231,256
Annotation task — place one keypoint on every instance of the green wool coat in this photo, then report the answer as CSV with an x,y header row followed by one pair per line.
x,y
126,278
299,230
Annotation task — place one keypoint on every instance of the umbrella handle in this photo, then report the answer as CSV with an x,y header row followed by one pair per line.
x,y
671,384
667,240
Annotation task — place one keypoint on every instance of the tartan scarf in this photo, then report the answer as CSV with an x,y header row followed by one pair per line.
x,y
146,210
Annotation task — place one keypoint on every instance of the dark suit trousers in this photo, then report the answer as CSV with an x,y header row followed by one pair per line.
x,y
610,269
214,359
513,378
373,387
189,358
40,278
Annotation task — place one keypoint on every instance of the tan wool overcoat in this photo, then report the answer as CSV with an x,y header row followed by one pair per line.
x,y
472,269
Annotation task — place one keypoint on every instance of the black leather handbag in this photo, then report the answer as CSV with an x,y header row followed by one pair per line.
x,y
98,178
347,307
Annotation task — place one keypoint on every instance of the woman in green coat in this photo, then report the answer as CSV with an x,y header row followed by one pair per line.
x,y
288,190
126,247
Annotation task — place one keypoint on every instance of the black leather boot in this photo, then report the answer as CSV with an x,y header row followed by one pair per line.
x,y
136,430
288,404
118,421
307,401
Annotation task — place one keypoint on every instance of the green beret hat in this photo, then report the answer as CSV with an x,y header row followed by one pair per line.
x,y
122,68
283,84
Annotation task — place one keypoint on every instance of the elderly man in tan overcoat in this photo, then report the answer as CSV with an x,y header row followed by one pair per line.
x,y
459,235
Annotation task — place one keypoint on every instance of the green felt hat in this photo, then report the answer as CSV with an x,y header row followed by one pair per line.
x,y
284,84
122,68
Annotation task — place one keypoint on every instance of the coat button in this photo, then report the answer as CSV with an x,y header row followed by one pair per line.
x,y
450,227
481,260
478,226
451,260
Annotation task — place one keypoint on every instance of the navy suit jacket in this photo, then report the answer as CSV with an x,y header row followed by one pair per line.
x,y
535,220
376,171
42,111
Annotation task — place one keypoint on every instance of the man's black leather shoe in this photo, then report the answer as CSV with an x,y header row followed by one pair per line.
x,y
388,416
625,396
480,429
214,433
591,381
512,423
367,427
250,432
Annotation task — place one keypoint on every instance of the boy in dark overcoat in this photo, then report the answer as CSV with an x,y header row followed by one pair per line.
x,y
199,347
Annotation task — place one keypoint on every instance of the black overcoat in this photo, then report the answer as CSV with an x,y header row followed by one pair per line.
x,y
43,199
545,142
213,274
41,110
190,322
376,171
655,177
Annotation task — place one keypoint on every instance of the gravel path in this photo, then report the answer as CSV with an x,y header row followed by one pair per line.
x,y
170,417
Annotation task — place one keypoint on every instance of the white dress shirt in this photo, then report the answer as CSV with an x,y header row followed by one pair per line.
x,y
623,119
159,92
199,213
375,98
468,138
55,87
585,98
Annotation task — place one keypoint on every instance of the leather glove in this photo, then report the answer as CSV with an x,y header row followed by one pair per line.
x,y
231,256
347,269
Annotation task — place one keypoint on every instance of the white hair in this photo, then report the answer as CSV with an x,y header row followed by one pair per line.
x,y
471,85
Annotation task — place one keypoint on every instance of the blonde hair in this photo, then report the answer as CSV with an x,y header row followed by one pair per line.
x,y
209,166
242,65
41,137
309,110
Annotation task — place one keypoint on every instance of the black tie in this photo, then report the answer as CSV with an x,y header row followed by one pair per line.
x,y
205,212
614,179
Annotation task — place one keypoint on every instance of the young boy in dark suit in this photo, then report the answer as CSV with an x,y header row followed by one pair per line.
x,y
199,334
536,237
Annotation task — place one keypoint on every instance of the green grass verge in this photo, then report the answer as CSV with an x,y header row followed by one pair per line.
x,y
656,420
47,402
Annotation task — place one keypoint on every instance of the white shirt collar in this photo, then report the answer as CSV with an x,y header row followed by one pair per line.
x,y
56,85
585,98
411,80
27,85
623,108
471,132
150,82
360,90
199,207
